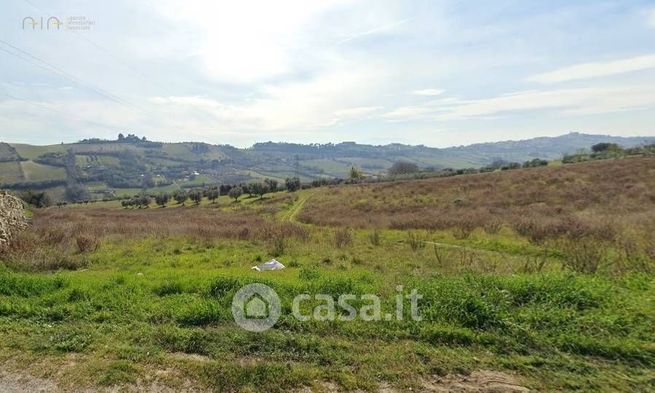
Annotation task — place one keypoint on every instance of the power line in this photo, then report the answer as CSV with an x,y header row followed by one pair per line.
x,y
30,58
116,58
50,108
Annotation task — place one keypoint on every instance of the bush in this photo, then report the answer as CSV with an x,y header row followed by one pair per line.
x,y
343,237
374,238
86,243
403,168
36,199
583,255
415,241
292,184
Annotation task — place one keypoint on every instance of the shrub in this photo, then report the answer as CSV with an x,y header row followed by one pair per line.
x,y
343,237
277,246
86,243
583,255
415,241
403,168
374,237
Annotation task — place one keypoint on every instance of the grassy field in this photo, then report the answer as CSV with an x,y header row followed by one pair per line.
x,y
97,295
11,172
37,172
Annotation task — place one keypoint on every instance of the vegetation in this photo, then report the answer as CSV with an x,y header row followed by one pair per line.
x,y
235,193
403,168
36,199
605,205
545,273
95,169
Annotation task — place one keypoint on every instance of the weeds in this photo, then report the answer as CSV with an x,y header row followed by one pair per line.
x,y
86,243
343,237
415,241
374,238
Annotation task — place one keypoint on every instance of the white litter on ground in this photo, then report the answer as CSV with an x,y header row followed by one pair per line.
x,y
270,265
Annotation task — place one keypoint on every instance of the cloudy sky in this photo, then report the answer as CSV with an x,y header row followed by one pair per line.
x,y
438,73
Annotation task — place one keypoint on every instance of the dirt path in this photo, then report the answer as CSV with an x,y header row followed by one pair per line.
x,y
481,381
297,207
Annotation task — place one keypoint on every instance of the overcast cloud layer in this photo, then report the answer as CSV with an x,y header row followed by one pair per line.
x,y
438,73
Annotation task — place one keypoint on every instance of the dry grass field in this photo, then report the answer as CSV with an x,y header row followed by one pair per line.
x,y
542,278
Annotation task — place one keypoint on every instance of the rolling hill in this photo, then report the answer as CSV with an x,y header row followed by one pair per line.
x,y
105,168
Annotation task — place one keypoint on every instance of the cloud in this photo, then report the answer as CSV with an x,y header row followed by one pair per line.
x,y
305,106
407,113
428,92
376,30
245,41
583,101
350,113
595,70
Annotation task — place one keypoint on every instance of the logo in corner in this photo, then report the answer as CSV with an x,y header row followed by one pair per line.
x,y
256,307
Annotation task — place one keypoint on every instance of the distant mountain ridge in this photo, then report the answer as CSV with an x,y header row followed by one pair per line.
x,y
128,164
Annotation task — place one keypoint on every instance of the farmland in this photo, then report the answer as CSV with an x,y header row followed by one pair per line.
x,y
98,169
544,275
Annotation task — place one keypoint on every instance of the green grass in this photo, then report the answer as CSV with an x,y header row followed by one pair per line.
x,y
38,172
33,151
143,302
161,298
152,303
10,172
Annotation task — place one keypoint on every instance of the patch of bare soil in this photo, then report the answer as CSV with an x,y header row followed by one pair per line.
x,y
11,382
481,381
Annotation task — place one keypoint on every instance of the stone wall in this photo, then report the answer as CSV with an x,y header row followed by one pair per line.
x,y
12,217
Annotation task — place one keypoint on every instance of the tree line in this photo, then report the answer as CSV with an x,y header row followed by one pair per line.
x,y
212,193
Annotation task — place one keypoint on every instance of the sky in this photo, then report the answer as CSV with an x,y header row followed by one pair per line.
x,y
436,73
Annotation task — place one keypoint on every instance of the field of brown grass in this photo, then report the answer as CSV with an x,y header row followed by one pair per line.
x,y
587,206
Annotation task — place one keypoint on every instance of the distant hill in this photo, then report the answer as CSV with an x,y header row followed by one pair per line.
x,y
103,168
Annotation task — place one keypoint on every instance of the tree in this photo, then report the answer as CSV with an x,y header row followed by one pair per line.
x,y
510,166
355,174
180,196
213,194
403,168
76,192
292,184
36,199
121,137
196,196
162,199
272,184
604,146
247,189
142,201
147,181
259,189
535,163
235,193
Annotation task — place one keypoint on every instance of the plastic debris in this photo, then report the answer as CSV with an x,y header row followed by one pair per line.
x,y
270,265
